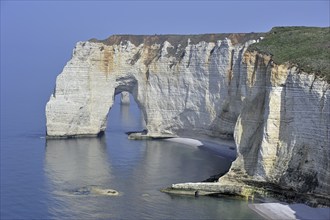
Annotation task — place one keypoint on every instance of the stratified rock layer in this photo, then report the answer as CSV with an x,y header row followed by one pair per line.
x,y
278,115
282,133
182,88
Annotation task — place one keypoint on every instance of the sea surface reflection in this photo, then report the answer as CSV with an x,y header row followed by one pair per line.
x,y
77,161
71,166
137,170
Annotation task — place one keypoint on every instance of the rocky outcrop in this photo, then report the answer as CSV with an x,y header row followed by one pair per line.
x,y
124,98
279,115
180,88
283,131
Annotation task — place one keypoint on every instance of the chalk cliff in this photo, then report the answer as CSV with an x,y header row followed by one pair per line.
x,y
283,131
180,84
209,85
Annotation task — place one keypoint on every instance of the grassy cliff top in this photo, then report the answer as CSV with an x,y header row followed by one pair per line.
x,y
306,47
175,40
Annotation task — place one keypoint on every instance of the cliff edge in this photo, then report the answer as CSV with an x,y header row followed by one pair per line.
x,y
224,85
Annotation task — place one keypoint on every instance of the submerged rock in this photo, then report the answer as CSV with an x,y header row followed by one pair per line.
x,y
94,190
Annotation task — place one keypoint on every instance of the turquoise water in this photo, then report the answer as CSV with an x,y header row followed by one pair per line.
x,y
40,178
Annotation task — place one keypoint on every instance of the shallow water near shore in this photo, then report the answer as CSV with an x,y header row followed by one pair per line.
x,y
60,179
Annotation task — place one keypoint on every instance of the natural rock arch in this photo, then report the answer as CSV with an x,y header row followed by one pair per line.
x,y
84,112
196,92
126,91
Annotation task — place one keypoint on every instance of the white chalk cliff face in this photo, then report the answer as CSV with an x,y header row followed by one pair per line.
x,y
282,132
182,88
278,116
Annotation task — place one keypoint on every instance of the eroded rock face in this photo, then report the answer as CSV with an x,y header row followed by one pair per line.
x,y
282,133
189,88
278,115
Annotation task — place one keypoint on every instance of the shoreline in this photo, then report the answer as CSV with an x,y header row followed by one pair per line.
x,y
273,210
280,210
223,148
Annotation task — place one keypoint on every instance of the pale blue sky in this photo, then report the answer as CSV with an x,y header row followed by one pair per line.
x,y
37,37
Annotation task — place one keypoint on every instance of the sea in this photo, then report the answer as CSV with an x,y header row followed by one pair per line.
x,y
59,178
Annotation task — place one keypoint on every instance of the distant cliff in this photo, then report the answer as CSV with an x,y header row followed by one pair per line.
x,y
222,85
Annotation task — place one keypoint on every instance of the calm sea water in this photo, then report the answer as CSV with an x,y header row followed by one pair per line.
x,y
40,178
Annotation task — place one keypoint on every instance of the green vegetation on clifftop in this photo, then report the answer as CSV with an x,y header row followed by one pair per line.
x,y
176,39
306,47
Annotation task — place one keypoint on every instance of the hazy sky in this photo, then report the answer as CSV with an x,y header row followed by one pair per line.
x,y
37,37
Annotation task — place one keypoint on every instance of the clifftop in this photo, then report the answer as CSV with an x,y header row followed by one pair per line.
x,y
175,40
306,47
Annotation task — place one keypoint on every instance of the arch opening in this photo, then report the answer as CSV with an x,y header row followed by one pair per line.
x,y
125,117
